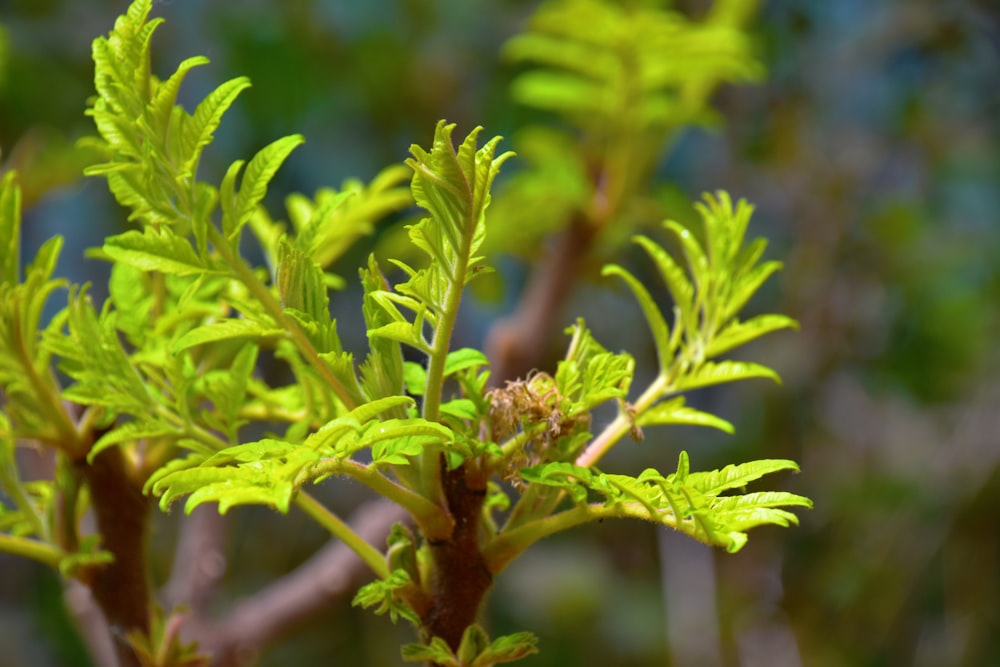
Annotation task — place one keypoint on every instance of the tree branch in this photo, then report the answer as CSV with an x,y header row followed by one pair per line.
x,y
199,561
262,619
120,588
516,344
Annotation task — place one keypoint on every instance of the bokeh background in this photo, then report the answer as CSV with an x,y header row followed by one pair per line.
x,y
872,153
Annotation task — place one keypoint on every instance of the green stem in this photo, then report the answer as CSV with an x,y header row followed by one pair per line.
x,y
506,546
429,465
33,549
433,521
274,309
622,424
67,437
324,517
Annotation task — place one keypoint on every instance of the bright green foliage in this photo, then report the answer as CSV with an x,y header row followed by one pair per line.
x,y
167,368
454,189
689,502
25,369
611,65
708,291
624,78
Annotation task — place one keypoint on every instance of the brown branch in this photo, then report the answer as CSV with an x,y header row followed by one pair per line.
x,y
199,561
90,623
262,619
121,588
517,343
462,578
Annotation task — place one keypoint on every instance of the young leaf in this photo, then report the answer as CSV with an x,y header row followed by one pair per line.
x,y
131,432
382,594
258,174
197,131
739,333
435,652
300,283
712,372
382,370
227,329
165,94
463,358
155,250
673,411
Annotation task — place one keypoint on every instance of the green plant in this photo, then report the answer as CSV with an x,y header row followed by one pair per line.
x,y
164,390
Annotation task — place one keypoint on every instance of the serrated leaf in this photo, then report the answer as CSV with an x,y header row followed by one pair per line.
x,y
572,478
300,283
509,648
227,329
392,429
674,411
259,172
739,333
657,324
131,432
230,215
463,358
737,476
436,652
153,250
165,96
674,277
382,595
264,473
712,372
197,131
402,332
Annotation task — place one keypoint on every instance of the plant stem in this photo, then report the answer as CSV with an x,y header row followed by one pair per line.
x,y
434,522
506,546
444,326
274,309
621,424
121,588
369,554
460,577
33,549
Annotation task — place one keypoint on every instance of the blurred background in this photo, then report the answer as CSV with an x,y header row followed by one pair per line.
x,y
872,153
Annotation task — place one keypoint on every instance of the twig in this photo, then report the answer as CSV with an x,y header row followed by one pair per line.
x,y
516,344
90,623
262,619
199,561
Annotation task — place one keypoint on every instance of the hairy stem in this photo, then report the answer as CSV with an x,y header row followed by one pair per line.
x,y
461,576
